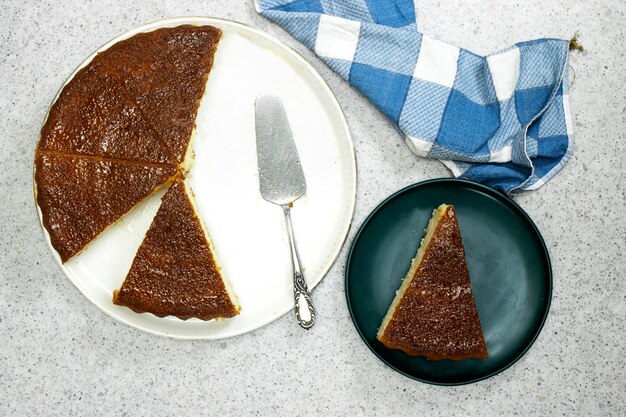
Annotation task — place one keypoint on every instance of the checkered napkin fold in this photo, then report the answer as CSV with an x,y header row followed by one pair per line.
x,y
502,120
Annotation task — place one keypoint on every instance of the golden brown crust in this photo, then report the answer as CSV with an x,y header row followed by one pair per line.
x,y
437,315
81,196
174,272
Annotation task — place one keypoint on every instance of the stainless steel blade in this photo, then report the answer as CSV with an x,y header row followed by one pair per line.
x,y
281,179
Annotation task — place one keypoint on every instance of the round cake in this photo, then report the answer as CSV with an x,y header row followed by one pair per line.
x,y
120,129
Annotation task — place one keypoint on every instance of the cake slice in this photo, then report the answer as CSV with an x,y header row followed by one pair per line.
x,y
94,116
165,71
433,313
175,271
80,196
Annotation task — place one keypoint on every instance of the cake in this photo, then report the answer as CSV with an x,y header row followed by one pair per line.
x,y
120,128
434,314
165,72
175,271
80,196
94,116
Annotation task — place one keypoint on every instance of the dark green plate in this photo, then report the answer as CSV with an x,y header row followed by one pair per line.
x,y
508,264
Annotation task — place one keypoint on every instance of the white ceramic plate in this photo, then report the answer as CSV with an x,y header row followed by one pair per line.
x,y
248,232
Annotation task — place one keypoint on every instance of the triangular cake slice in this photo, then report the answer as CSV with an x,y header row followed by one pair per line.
x,y
80,196
433,313
175,271
165,71
94,116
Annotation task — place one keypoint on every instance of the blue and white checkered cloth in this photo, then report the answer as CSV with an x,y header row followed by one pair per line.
x,y
502,120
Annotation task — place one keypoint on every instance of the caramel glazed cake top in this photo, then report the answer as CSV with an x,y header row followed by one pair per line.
x,y
175,272
433,313
119,130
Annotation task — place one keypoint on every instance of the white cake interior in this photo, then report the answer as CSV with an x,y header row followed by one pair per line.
x,y
229,288
190,155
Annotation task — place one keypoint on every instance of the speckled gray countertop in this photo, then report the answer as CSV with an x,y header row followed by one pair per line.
x,y
59,355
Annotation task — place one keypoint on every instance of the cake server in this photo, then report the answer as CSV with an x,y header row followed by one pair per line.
x,y
281,181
